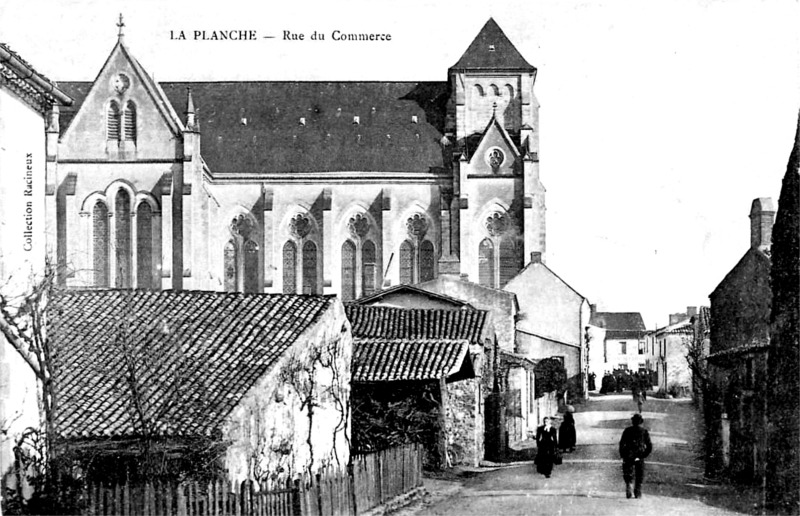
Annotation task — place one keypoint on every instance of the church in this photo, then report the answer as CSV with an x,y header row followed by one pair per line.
x,y
341,188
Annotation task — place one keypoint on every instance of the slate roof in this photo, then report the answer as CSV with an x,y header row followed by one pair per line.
x,y
491,49
196,354
273,140
620,325
383,322
382,360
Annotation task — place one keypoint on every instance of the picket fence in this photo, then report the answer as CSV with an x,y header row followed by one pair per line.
x,y
371,480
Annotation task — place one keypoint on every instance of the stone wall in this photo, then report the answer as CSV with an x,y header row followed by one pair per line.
x,y
464,420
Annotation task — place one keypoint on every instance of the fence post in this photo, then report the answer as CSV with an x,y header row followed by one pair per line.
x,y
296,506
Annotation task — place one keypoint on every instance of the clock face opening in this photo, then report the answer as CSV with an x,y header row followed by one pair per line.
x,y
121,83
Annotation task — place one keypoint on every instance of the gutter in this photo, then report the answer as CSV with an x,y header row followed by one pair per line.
x,y
28,74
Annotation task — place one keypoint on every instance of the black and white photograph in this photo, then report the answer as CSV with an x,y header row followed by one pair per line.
x,y
322,258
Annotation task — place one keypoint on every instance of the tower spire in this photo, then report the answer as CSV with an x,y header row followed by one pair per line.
x,y
120,24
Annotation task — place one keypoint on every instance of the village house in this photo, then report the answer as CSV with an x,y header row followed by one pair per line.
x,y
28,103
672,343
617,341
435,361
737,362
200,385
509,396
551,321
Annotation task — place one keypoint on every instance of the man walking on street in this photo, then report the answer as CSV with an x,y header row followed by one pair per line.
x,y
634,447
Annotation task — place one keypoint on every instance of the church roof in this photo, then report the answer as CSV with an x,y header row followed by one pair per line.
x,y
492,50
297,127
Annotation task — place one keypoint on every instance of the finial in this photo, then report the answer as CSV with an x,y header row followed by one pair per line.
x,y
191,120
494,108
120,24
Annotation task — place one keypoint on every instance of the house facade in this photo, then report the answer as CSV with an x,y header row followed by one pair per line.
x,y
552,320
200,385
28,101
737,362
320,187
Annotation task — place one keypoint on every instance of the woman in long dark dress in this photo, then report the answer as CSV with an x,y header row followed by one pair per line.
x,y
566,433
546,447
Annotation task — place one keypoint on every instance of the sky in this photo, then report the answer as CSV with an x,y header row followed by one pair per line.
x,y
660,121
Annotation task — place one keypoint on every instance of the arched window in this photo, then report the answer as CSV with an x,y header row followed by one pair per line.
x,y
250,266
100,245
369,268
122,216
144,246
129,120
510,260
310,268
289,268
510,91
495,90
229,260
479,90
113,121
348,271
407,264
426,261
486,263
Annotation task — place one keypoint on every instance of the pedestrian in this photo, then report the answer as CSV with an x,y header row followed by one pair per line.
x,y
566,432
546,447
634,447
638,398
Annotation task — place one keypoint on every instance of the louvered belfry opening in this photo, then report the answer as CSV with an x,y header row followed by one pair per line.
x,y
426,260
510,260
113,121
250,266
129,119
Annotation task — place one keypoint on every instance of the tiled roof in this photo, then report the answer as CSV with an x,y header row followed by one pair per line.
x,y
255,127
739,350
382,360
22,77
195,354
382,322
626,321
398,289
491,49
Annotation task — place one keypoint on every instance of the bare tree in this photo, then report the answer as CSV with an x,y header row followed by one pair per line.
x,y
23,323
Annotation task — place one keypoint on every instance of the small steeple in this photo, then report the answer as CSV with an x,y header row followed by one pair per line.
x,y
191,120
120,25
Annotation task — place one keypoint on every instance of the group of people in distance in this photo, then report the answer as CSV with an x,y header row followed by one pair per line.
x,y
634,447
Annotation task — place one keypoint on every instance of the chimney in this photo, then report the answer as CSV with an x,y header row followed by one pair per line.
x,y
691,311
593,309
762,215
536,257
676,318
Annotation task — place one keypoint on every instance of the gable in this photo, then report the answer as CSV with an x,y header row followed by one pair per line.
x,y
408,296
495,138
122,81
752,268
